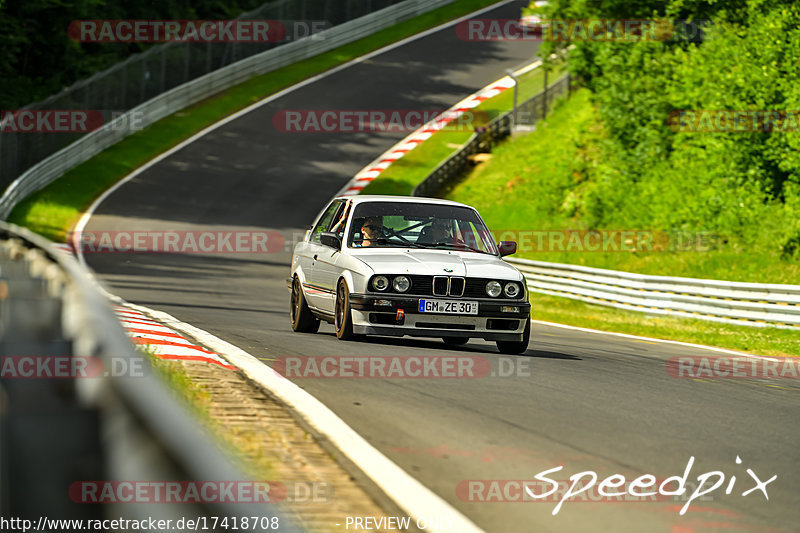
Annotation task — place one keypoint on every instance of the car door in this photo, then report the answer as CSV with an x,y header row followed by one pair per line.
x,y
319,292
327,269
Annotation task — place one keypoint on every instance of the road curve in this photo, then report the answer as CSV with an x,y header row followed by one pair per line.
x,y
584,400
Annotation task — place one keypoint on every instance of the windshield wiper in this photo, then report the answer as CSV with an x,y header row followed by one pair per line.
x,y
460,244
404,242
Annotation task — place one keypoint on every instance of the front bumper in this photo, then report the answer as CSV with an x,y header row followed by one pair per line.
x,y
495,321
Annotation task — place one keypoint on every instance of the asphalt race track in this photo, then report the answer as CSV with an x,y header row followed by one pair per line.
x,y
582,400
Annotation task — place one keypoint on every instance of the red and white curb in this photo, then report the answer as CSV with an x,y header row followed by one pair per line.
x,y
163,341
365,176
63,248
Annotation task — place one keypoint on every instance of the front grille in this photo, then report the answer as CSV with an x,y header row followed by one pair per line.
x,y
457,287
440,285
476,288
422,285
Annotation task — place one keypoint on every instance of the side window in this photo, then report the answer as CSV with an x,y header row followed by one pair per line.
x,y
326,220
472,236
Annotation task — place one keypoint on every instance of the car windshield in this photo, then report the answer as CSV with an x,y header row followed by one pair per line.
x,y
422,225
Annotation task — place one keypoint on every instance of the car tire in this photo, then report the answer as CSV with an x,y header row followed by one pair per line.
x,y
343,318
517,347
455,341
302,319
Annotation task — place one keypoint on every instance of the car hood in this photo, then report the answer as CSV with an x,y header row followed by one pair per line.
x,y
437,262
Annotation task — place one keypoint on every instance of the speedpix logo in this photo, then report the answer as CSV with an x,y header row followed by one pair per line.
x,y
588,486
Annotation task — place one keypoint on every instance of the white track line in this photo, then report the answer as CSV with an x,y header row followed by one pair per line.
x,y
408,493
84,220
652,339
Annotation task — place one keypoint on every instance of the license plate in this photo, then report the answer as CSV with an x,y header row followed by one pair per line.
x,y
448,307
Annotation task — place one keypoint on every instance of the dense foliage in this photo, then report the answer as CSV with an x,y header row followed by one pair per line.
x,y
637,171
39,59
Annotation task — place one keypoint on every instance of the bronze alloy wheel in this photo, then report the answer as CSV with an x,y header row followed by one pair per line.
x,y
302,319
344,318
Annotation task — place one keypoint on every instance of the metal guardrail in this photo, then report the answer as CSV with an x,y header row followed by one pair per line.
x,y
162,67
750,304
529,112
54,432
54,166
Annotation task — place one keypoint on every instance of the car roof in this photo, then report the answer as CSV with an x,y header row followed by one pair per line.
x,y
361,198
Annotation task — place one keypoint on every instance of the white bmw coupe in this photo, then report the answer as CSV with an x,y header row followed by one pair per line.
x,y
398,265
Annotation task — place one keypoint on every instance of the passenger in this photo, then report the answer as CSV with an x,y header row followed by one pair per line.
x,y
437,232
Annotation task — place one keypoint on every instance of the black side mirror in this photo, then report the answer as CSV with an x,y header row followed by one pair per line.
x,y
328,238
507,248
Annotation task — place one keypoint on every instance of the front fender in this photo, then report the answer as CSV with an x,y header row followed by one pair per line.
x,y
356,281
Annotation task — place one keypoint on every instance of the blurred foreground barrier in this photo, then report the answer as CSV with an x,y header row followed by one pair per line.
x,y
79,403
749,304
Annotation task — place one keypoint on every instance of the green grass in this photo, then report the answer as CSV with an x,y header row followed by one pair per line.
x,y
514,191
52,211
525,185
765,341
406,173
521,188
192,394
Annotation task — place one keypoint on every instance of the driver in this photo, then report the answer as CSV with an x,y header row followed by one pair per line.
x,y
372,230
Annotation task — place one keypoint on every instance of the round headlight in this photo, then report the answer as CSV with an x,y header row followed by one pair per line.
x,y
380,283
401,284
493,289
511,290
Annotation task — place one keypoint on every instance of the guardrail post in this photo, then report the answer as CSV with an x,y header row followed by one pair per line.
x,y
544,96
516,94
